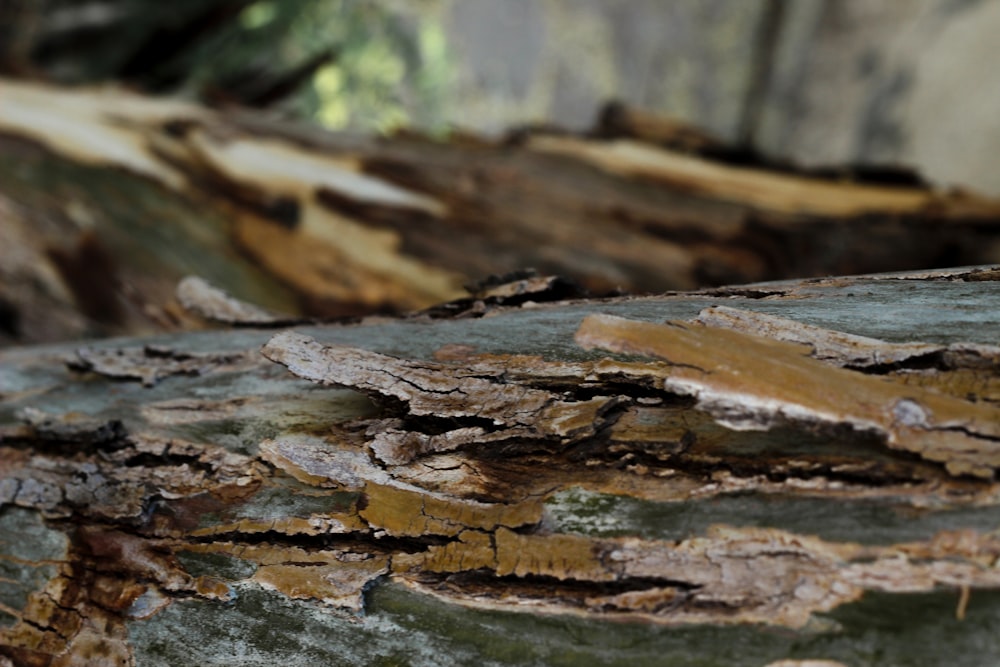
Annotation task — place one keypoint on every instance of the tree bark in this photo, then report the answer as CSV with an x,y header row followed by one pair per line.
x,y
517,474
202,496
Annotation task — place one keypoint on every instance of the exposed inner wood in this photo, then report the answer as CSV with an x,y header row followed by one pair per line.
x,y
749,382
342,226
776,192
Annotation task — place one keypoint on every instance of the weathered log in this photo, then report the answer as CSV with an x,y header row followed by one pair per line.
x,y
109,198
817,456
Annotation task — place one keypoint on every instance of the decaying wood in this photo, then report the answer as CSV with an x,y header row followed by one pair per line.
x,y
459,453
198,296
749,382
150,363
196,468
502,411
315,224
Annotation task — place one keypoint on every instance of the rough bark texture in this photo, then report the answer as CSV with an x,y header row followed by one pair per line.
x,y
253,489
711,467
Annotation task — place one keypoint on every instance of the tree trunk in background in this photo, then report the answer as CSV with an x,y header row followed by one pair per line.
x,y
109,199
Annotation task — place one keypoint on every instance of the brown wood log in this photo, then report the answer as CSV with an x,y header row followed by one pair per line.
x,y
110,198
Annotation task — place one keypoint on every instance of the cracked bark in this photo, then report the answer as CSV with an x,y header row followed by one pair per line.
x,y
778,454
458,459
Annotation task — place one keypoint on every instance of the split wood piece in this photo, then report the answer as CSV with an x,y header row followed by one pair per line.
x,y
322,245
152,363
849,350
731,575
199,296
968,371
75,428
617,121
110,485
390,506
493,409
768,191
335,577
749,382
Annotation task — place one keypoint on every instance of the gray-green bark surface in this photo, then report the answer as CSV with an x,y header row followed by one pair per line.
x,y
239,514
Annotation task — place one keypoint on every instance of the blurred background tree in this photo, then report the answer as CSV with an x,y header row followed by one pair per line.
x,y
348,63
812,81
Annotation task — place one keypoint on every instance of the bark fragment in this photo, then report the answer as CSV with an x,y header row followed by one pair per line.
x,y
963,370
151,363
74,427
858,352
334,577
117,483
731,575
451,487
388,505
833,347
504,411
749,382
199,296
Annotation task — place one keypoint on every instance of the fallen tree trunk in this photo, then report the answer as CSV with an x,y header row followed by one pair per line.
x,y
109,198
814,456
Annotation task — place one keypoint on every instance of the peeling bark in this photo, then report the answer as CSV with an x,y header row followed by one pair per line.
x,y
749,382
433,453
198,296
151,363
506,411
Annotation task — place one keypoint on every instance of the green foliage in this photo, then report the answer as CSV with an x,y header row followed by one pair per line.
x,y
390,66
391,70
